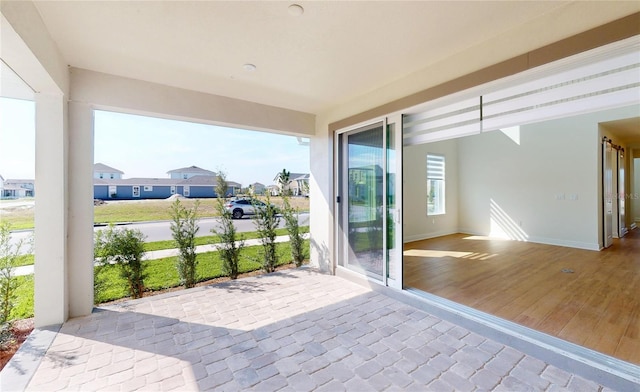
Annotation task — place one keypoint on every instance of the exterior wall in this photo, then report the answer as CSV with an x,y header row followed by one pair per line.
x,y
101,192
321,199
125,192
158,192
201,191
107,175
81,207
29,50
145,98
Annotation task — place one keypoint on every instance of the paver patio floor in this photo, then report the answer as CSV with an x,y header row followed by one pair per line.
x,y
296,330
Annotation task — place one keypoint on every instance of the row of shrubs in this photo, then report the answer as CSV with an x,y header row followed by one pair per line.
x,y
124,248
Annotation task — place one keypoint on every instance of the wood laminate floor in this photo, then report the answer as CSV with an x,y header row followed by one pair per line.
x,y
586,297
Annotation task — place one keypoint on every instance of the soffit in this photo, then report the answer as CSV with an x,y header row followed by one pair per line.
x,y
334,52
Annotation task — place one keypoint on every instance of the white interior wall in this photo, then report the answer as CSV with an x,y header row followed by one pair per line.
x,y
417,225
545,189
542,190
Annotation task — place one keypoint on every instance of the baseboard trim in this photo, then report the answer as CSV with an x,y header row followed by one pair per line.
x,y
535,240
426,236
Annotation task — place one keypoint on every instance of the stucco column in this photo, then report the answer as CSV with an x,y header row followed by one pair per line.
x,y
321,200
51,211
80,219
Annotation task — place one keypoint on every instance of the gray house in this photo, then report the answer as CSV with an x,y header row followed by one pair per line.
x,y
193,186
188,172
298,184
100,170
16,188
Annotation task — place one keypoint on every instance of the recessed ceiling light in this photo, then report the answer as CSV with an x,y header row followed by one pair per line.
x,y
249,67
296,10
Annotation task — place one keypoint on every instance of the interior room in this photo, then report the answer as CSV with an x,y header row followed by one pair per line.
x,y
522,233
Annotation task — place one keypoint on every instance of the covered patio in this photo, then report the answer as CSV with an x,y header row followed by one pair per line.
x,y
298,330
321,71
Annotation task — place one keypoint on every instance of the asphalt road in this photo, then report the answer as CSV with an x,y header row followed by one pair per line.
x,y
160,230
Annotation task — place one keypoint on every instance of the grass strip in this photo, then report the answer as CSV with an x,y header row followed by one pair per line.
x,y
134,211
162,273
24,293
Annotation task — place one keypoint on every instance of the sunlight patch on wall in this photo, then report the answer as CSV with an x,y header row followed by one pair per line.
x,y
503,226
512,133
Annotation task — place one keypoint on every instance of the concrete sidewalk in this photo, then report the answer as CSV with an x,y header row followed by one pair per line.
x,y
159,254
295,330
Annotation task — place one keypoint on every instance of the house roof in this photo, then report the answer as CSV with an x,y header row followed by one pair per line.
x,y
193,181
102,168
135,181
193,169
19,181
200,180
299,176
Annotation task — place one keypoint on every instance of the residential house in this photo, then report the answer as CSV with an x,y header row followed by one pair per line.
x,y
202,186
194,186
525,107
17,188
298,184
102,171
257,188
274,190
188,172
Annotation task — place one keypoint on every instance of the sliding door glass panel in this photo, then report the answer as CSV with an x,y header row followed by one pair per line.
x,y
393,256
365,200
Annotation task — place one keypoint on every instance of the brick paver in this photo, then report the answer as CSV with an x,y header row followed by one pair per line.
x,y
292,331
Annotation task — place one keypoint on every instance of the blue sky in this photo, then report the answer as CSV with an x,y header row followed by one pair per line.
x,y
149,147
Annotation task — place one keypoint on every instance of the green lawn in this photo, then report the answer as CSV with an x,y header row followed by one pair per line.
x,y
134,211
24,293
161,274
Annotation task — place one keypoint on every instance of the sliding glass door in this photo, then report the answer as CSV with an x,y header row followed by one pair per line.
x,y
369,220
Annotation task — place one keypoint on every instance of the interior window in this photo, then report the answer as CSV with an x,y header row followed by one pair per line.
x,y
435,185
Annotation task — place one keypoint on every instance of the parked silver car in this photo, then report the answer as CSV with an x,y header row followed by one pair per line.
x,y
242,207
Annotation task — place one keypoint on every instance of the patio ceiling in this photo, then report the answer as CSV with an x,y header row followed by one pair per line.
x,y
333,53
